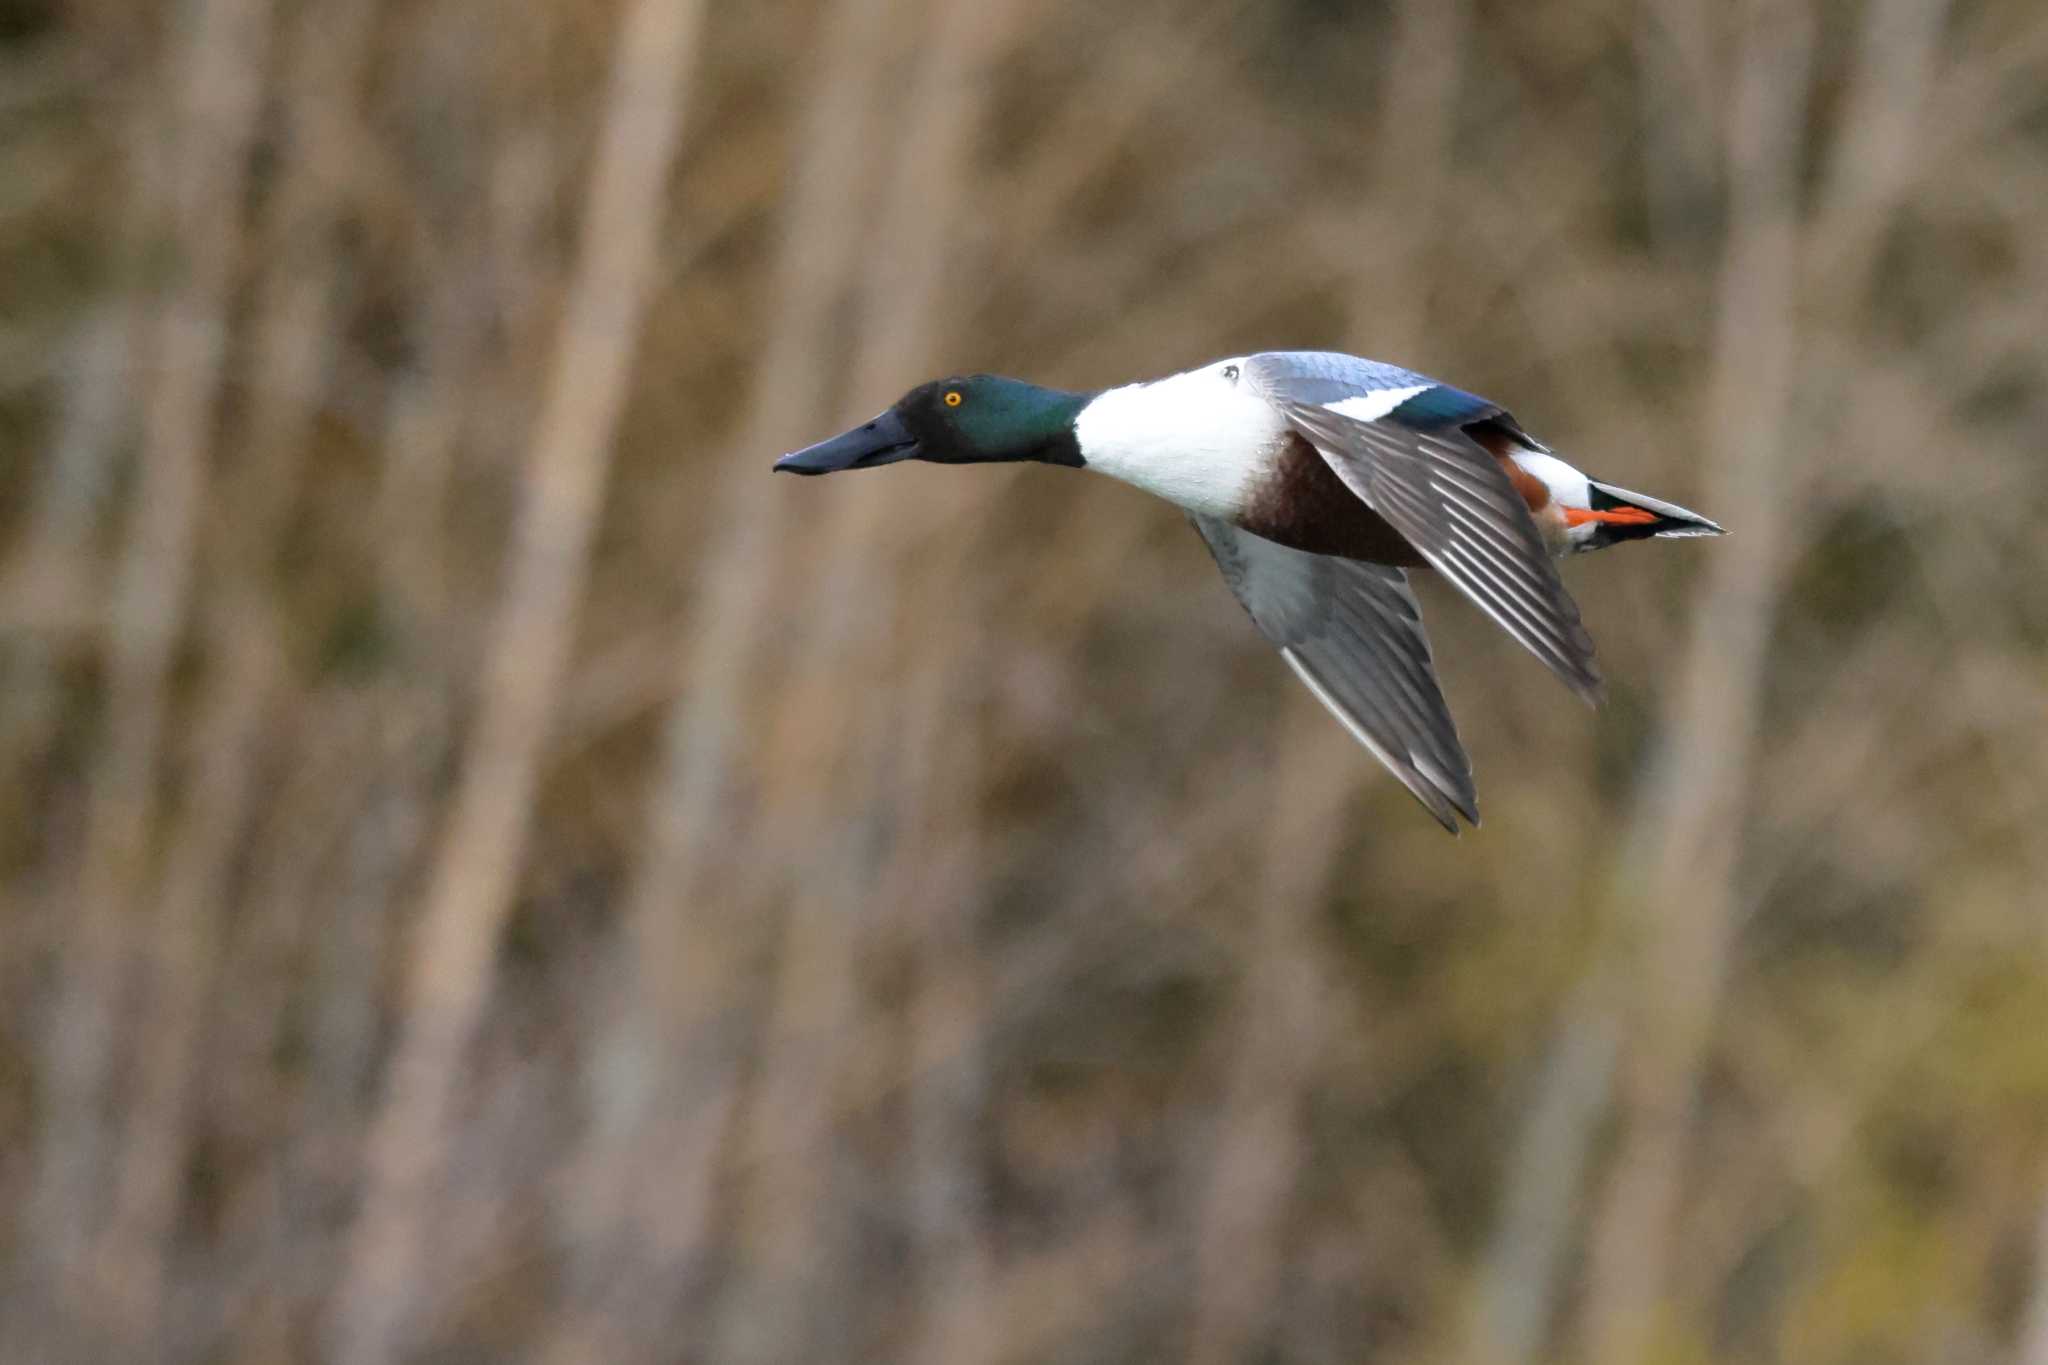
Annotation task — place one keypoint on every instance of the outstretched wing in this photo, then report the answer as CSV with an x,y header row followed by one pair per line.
x,y
1398,440
1352,632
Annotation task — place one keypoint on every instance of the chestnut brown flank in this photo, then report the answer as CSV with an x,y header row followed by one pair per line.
x,y
1301,503
1495,440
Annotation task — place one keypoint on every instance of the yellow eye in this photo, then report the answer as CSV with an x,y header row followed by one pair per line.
x,y
952,398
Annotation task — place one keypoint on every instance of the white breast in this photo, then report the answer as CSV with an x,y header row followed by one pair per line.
x,y
1196,439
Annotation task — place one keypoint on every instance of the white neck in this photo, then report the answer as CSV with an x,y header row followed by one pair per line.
x,y
1196,439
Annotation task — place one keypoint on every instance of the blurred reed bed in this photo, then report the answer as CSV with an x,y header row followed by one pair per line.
x,y
490,873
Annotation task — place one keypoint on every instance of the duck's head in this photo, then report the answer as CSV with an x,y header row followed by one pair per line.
x,y
972,419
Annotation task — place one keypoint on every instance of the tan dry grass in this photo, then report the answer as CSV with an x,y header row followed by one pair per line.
x,y
490,871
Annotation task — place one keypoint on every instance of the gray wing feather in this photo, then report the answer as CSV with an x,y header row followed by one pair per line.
x,y
1352,632
1444,493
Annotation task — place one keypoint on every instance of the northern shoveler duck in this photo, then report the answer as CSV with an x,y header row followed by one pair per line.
x,y
1318,479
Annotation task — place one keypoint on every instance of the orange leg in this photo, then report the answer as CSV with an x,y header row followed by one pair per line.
x,y
1620,516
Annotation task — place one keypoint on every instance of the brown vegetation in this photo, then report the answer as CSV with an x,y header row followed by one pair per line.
x,y
491,873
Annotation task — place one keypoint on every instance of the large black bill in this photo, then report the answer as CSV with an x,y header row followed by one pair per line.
x,y
882,441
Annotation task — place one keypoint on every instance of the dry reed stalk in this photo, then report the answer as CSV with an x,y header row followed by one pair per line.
x,y
1959,572
1675,50
666,1078
1693,819
2032,1347
1686,840
1047,1300
54,570
216,94
1223,290
401,731
1522,1272
472,883
314,907
1425,72
1521,1279
1878,151
132,1252
931,888
1150,185
404,725
934,892
1279,1025
293,329
1105,118
93,417
797,1220
945,1194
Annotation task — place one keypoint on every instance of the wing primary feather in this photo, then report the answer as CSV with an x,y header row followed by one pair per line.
x,y
1433,799
1353,634
1415,705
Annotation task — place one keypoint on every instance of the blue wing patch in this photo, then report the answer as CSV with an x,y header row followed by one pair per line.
x,y
1442,406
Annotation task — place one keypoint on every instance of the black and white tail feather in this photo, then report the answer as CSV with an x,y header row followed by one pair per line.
x,y
1672,521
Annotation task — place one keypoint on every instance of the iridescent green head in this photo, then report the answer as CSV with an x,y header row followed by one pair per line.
x,y
971,419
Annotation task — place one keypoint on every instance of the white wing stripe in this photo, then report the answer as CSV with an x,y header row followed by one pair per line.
x,y
1370,407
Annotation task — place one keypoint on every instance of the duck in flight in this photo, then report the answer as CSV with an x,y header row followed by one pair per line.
x,y
1318,480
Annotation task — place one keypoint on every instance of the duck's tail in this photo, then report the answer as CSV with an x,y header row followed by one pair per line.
x,y
1617,514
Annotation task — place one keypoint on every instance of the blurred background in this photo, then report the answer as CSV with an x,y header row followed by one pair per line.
x,y
492,874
